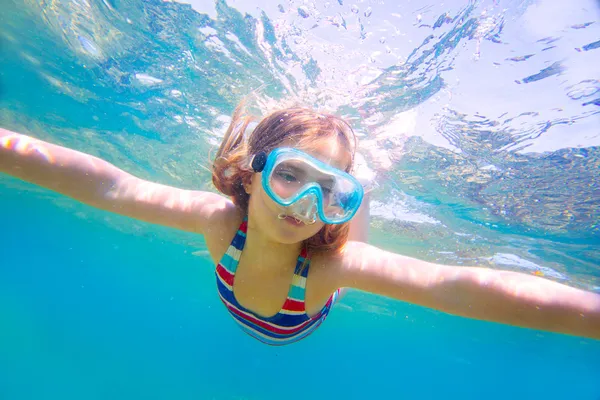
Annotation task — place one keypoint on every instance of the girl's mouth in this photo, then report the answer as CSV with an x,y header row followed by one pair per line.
x,y
291,220
294,221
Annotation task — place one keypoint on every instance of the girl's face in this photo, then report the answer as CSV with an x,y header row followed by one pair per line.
x,y
265,212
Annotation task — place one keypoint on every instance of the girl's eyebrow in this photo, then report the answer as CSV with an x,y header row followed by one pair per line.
x,y
292,168
322,180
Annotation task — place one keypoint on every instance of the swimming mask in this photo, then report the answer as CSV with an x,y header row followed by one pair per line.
x,y
308,187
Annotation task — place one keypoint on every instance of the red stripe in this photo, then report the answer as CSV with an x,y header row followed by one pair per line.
x,y
266,326
303,252
293,305
328,304
244,226
225,275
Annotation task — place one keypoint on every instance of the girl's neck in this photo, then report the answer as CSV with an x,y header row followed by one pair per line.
x,y
267,253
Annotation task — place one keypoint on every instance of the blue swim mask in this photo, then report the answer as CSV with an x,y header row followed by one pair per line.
x,y
308,188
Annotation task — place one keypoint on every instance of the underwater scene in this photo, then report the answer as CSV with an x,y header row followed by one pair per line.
x,y
479,119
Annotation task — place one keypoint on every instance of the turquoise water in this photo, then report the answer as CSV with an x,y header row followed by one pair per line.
x,y
473,168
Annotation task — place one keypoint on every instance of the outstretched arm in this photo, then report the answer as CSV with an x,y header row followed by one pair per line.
x,y
499,296
100,184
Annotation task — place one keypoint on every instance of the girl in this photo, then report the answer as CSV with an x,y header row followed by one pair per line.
x,y
281,235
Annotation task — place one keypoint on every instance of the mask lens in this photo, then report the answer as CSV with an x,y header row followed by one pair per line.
x,y
342,199
287,179
293,175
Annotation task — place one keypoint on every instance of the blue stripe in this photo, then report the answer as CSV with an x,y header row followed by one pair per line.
x,y
280,320
301,335
296,292
224,291
267,332
238,242
300,271
229,263
284,320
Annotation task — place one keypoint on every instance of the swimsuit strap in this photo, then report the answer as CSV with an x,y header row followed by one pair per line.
x,y
297,292
231,258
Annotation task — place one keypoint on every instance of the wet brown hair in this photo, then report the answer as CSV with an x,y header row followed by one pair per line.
x,y
301,126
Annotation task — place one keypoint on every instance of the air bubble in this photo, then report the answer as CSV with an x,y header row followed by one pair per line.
x,y
354,9
382,40
368,12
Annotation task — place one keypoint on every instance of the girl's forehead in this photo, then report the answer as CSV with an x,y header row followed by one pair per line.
x,y
329,150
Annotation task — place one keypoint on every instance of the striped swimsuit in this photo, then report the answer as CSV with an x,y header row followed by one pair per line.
x,y
291,323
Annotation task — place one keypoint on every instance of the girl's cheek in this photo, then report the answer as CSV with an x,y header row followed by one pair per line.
x,y
283,189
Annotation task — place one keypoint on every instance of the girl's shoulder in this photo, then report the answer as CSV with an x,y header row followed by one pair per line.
x,y
223,226
325,269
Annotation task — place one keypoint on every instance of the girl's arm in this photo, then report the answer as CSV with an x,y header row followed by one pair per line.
x,y
500,296
100,184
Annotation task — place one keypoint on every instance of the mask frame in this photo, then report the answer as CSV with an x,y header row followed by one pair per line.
x,y
311,193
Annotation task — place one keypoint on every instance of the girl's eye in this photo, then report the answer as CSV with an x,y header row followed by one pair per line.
x,y
287,176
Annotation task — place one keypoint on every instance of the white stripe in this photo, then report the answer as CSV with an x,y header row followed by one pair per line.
x,y
290,312
234,253
298,280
